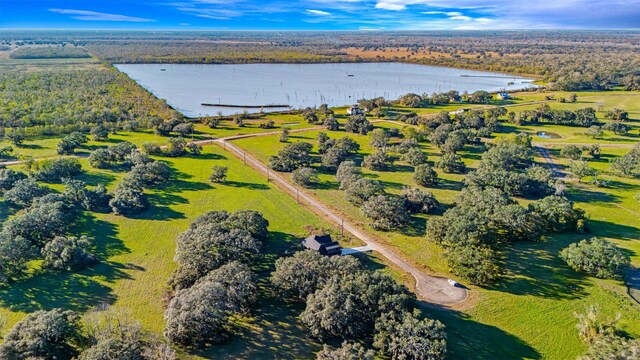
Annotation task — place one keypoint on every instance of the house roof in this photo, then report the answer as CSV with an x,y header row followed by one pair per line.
x,y
322,243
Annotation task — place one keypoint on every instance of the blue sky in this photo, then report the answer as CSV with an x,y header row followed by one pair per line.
x,y
321,14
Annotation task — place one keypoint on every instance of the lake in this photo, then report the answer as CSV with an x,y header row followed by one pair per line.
x,y
187,86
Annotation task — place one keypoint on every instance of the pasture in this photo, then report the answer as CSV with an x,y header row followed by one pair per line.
x,y
531,311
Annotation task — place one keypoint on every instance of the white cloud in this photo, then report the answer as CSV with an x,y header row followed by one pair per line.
x,y
98,16
461,17
318,12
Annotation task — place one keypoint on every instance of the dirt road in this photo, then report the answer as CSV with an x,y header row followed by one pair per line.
x,y
430,288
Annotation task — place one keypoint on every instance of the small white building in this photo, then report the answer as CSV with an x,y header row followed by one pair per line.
x,y
503,96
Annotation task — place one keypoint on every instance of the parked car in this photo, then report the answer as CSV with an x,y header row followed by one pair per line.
x,y
453,282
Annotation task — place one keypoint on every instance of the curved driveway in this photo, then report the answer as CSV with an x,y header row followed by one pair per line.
x,y
430,288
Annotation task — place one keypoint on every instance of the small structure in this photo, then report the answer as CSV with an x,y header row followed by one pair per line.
x,y
356,250
354,110
322,244
503,96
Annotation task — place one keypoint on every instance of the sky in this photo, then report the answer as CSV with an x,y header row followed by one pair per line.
x,y
321,14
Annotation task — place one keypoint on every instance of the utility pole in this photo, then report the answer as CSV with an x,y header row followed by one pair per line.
x,y
298,193
342,227
268,176
245,158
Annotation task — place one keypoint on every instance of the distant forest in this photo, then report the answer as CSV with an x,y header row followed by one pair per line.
x,y
565,60
60,99
50,52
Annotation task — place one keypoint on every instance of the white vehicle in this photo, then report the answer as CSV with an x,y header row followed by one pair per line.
x,y
453,282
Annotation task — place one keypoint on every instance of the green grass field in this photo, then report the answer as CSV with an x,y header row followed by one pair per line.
x,y
137,255
530,313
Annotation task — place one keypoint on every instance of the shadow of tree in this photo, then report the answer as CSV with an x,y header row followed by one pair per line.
x,y
535,269
327,185
272,332
590,196
391,185
95,178
469,339
246,185
612,230
75,291
416,227
30,146
447,184
104,234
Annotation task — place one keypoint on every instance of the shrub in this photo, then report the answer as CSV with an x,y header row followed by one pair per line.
x,y
348,351
414,157
362,190
425,176
99,132
418,201
597,257
302,274
378,138
581,169
451,163
407,337
198,315
42,335
176,147
218,174
331,124
284,135
358,124
377,161
305,176
347,174
56,170
348,307
385,212
571,152
24,191
477,264
291,157
128,198
151,148
214,239
68,253
9,177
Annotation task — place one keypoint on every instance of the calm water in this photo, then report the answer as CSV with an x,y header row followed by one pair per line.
x,y
186,86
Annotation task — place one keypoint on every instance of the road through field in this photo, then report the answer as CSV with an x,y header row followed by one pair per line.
x,y
433,289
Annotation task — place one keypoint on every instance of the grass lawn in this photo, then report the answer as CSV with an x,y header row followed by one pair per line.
x,y
530,314
137,255
46,146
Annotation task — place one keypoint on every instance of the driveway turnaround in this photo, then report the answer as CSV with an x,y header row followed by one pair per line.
x,y
433,289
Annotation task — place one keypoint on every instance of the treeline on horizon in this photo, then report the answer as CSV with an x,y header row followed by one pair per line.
x,y
61,99
565,60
